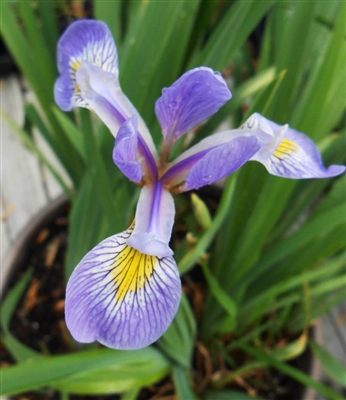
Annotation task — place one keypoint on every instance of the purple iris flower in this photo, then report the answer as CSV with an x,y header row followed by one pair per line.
x,y
126,290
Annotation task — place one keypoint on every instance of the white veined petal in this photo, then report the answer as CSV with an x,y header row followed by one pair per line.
x,y
120,297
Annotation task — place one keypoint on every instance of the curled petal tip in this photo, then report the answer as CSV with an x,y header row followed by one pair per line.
x,y
288,153
120,297
125,150
148,243
83,40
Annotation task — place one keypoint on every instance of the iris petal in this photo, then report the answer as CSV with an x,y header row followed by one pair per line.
x,y
84,40
289,153
88,66
125,150
120,297
154,221
193,98
211,159
221,162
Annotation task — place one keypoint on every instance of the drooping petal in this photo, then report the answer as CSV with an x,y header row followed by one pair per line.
x,y
125,150
154,221
193,98
131,154
88,66
83,40
212,159
291,154
120,297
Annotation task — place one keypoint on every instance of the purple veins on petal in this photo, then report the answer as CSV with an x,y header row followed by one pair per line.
x,y
221,161
120,297
83,40
193,98
88,66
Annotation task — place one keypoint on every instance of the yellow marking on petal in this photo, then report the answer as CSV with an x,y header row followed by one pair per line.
x,y
285,148
75,65
131,270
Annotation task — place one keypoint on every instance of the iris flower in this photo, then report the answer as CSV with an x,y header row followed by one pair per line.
x,y
125,292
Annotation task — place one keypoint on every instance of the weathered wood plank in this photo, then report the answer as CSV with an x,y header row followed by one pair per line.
x,y
21,182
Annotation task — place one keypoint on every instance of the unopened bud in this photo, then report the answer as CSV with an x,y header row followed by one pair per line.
x,y
200,211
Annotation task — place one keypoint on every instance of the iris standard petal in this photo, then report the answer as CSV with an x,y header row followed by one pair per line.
x,y
120,297
125,150
194,97
154,221
291,154
83,40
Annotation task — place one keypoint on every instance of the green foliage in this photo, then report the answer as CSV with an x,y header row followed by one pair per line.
x,y
333,367
272,254
98,371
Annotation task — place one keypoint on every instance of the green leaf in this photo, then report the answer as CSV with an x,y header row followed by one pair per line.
x,y
333,367
231,32
157,53
97,371
177,342
228,395
294,40
224,300
43,61
182,383
117,378
21,49
85,213
324,273
111,14
311,230
322,104
291,371
18,350
49,25
130,395
205,240
74,135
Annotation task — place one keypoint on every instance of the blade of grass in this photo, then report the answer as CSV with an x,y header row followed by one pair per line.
x,y
224,300
159,52
111,14
182,383
230,33
333,367
62,370
48,14
18,350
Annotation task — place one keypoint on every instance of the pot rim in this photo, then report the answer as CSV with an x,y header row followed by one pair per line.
x,y
26,238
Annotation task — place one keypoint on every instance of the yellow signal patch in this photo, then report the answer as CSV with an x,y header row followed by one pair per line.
x,y
131,271
75,65
285,148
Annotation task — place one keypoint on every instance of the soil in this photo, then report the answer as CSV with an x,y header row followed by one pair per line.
x,y
39,323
